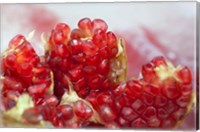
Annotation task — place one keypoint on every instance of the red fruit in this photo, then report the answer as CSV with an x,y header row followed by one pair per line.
x,y
85,25
157,103
99,25
33,115
17,40
86,57
23,71
60,35
87,66
72,111
82,110
184,75
67,111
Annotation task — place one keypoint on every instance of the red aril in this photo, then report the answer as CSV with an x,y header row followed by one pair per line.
x,y
23,71
86,57
157,103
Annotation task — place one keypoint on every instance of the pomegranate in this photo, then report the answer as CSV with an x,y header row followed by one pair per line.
x,y
72,112
92,57
161,98
23,71
88,67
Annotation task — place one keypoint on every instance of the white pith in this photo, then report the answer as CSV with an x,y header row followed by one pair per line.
x,y
24,102
71,97
165,72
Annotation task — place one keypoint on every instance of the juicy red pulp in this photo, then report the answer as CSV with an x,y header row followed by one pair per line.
x,y
23,72
81,62
83,54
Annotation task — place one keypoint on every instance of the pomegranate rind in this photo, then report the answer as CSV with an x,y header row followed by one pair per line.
x,y
189,108
71,97
121,60
13,117
168,71
51,87
24,102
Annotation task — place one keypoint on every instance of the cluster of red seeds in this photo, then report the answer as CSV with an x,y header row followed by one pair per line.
x,y
23,71
147,103
152,101
73,86
84,54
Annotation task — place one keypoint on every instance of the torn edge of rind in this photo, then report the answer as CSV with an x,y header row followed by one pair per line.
x,y
189,108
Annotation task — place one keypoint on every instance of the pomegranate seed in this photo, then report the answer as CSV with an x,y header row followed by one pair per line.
x,y
183,101
139,123
17,40
89,48
185,75
25,69
104,67
99,24
138,106
128,113
75,73
93,60
64,28
111,40
123,122
89,70
134,88
76,46
178,114
33,115
50,100
82,110
107,113
11,60
157,61
66,110
171,92
85,24
95,81
154,122
57,37
8,103
100,39
104,98
12,84
160,101
77,34
162,113
37,90
104,53
150,112
148,72
80,84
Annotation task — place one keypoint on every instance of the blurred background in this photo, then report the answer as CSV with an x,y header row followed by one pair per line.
x,y
149,29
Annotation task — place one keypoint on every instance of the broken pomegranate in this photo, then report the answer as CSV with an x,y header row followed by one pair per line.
x,y
23,71
80,82
92,57
161,98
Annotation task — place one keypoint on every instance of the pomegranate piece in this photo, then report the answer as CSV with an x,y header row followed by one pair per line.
x,y
87,65
158,102
86,56
23,71
82,110
33,115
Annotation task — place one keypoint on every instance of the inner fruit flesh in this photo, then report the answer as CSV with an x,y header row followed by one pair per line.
x,y
80,83
85,55
23,72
